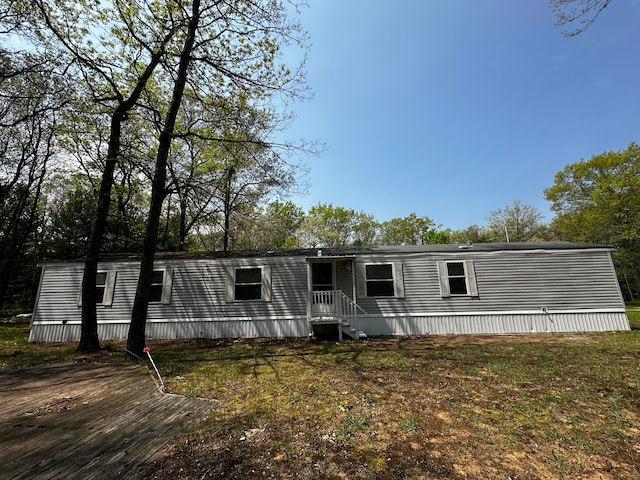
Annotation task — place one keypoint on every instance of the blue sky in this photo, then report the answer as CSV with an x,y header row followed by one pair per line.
x,y
454,108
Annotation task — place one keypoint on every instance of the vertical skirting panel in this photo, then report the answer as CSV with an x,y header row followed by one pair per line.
x,y
494,324
371,325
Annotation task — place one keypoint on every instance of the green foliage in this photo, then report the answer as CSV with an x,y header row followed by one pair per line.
x,y
516,223
598,201
434,236
473,233
330,226
409,230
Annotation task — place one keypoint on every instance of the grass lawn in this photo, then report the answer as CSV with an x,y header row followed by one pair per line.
x,y
474,407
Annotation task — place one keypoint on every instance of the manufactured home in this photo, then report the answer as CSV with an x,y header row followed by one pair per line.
x,y
359,292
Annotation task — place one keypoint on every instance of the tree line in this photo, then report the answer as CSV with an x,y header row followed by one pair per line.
x,y
154,125
113,109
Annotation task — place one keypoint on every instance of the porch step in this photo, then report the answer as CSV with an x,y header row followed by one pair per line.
x,y
328,320
353,333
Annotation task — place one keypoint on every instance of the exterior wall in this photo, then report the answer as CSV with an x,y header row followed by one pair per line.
x,y
518,291
198,306
512,281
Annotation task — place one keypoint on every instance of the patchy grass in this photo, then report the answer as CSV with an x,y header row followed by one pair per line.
x,y
17,352
474,407
543,406
633,312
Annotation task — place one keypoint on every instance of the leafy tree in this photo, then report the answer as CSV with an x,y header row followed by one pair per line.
x,y
598,201
111,50
516,223
433,236
29,114
277,227
68,209
329,226
228,48
409,230
473,234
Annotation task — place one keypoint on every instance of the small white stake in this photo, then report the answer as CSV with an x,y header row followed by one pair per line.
x,y
147,350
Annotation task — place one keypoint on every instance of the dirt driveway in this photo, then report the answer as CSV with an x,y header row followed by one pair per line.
x,y
86,421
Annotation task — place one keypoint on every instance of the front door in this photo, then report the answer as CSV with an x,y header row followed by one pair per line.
x,y
321,276
322,281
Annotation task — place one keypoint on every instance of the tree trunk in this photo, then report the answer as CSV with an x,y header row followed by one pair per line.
x,y
183,223
89,330
227,209
89,341
136,337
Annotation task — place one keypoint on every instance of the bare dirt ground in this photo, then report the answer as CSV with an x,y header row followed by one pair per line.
x,y
86,421
472,407
294,409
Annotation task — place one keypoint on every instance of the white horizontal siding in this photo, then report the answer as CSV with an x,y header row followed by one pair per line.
x,y
579,289
506,280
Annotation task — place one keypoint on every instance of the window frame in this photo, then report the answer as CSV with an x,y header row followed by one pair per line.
x,y
166,286
265,283
397,279
373,282
469,278
108,289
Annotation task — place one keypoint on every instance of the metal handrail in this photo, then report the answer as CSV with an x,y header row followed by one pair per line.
x,y
335,303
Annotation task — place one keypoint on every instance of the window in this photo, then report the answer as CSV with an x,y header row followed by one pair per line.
x,y
321,276
157,282
105,285
380,280
457,278
101,283
161,283
249,283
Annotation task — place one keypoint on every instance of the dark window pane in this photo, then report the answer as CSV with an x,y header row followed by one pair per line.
x,y
248,275
458,286
155,294
101,278
380,289
321,273
322,288
157,276
455,269
99,294
248,292
383,272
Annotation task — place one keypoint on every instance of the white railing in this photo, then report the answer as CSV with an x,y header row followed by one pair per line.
x,y
334,305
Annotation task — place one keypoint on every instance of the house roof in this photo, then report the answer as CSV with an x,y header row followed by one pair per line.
x,y
354,251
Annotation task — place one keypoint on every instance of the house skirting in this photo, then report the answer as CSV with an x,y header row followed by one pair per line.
x,y
204,328
372,325
493,323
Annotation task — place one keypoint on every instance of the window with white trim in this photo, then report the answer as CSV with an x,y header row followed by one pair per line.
x,y
105,286
249,283
101,284
161,283
457,278
380,280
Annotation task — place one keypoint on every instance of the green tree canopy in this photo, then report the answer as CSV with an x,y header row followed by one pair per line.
x,y
598,201
409,230
515,223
